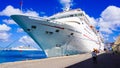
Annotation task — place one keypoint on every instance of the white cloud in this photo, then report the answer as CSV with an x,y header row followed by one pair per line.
x,y
9,21
19,30
31,13
4,36
111,13
26,40
66,4
110,19
4,28
10,10
3,32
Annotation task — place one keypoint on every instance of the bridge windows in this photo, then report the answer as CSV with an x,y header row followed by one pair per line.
x,y
69,15
58,45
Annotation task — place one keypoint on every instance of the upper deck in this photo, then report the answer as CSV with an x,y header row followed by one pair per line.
x,y
65,14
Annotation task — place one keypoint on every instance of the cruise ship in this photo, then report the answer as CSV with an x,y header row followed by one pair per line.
x,y
65,33
24,48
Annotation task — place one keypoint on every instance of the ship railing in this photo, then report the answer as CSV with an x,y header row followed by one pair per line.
x,y
56,22
39,18
45,19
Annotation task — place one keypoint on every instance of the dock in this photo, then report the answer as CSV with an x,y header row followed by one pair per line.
x,y
105,60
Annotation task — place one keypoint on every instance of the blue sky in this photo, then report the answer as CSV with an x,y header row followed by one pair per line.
x,y
104,15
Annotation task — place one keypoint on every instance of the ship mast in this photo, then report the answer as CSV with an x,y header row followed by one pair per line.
x,y
21,5
66,9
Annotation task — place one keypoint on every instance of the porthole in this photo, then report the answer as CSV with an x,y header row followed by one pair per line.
x,y
28,29
71,33
57,31
33,27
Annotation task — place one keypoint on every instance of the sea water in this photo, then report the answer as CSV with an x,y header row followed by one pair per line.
x,y
19,55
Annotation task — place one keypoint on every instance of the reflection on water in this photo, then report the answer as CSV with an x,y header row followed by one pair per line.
x,y
19,55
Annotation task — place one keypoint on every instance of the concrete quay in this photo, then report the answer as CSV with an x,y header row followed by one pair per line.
x,y
105,60
54,62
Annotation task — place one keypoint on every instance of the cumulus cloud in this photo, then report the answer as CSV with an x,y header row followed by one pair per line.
x,y
31,13
110,19
66,4
4,36
10,10
19,30
26,40
4,28
111,13
9,21
3,32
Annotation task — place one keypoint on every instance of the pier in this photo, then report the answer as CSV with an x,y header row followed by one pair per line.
x,y
105,60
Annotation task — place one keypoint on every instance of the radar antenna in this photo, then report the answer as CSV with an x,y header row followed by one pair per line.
x,y
66,9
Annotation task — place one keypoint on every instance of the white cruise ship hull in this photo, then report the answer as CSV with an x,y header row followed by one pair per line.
x,y
57,39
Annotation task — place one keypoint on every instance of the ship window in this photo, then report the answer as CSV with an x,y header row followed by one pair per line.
x,y
28,29
80,14
50,32
46,32
58,45
34,27
57,31
71,34
71,15
76,15
78,23
53,18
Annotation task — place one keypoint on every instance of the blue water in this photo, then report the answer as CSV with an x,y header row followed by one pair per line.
x,y
14,55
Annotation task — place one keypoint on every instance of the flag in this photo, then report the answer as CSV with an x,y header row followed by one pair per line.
x,y
21,3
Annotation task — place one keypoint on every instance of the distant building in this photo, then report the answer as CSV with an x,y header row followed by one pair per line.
x,y
116,45
108,46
